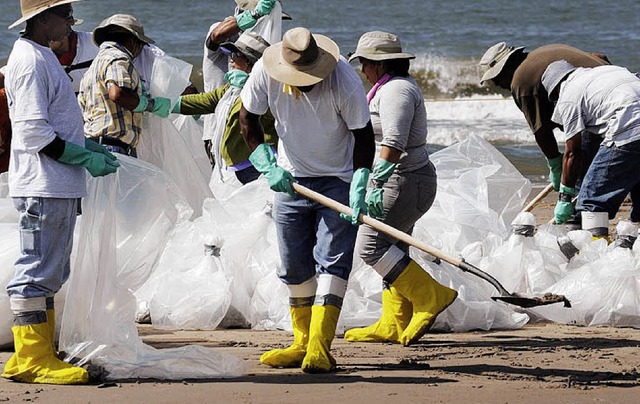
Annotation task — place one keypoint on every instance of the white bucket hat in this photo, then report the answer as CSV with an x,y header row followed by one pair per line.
x,y
31,8
301,59
555,73
124,21
378,45
495,58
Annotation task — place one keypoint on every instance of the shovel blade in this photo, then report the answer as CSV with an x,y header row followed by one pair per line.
x,y
526,302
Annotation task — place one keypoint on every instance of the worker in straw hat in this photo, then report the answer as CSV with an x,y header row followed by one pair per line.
x,y
326,142
404,188
112,96
49,154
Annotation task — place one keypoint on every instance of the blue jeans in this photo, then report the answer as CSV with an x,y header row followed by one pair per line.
x,y
613,173
311,237
46,238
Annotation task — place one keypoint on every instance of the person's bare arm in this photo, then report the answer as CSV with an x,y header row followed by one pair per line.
x,y
225,30
571,161
547,141
364,149
124,97
251,129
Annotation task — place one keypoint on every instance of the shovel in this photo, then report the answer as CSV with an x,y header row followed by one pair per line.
x,y
505,296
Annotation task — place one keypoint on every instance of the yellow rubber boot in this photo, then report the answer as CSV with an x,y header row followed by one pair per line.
x,y
324,320
293,355
11,367
36,361
428,297
396,315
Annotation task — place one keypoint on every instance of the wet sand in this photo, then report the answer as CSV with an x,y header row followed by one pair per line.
x,y
539,363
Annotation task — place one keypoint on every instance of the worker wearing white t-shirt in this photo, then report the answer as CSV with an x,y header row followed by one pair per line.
x,y
326,142
46,177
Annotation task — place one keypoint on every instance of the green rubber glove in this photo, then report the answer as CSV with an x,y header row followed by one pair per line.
x,y
357,194
176,108
161,107
264,7
564,207
382,171
236,77
264,161
143,103
98,164
246,20
555,171
98,148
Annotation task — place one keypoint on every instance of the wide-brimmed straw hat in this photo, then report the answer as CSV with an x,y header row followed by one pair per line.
x,y
250,44
301,59
31,8
378,45
495,58
125,22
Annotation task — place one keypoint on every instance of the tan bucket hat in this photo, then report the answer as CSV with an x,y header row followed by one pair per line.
x,y
125,21
495,58
378,45
31,8
301,59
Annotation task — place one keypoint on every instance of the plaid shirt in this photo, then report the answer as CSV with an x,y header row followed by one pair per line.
x,y
103,117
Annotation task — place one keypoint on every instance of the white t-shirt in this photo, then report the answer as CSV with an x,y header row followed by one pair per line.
x,y
85,51
40,95
314,130
603,100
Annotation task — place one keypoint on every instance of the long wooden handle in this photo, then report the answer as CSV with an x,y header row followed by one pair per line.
x,y
376,224
538,198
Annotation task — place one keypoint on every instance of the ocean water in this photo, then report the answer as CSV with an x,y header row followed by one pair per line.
x,y
448,39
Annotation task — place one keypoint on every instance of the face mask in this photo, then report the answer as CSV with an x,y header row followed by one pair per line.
x,y
236,78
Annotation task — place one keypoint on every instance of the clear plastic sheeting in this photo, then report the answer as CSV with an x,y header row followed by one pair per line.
x,y
173,151
98,324
9,253
169,77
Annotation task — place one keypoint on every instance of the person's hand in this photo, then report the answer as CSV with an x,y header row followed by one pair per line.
x,y
97,163
555,171
98,148
357,194
374,202
564,207
264,160
264,7
236,78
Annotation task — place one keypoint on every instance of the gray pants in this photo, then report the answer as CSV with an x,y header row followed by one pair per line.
x,y
407,196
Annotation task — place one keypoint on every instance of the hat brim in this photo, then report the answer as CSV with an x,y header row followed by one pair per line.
x,y
40,10
495,70
283,72
98,34
381,56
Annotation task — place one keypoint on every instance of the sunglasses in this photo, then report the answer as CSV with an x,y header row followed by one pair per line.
x,y
237,56
65,14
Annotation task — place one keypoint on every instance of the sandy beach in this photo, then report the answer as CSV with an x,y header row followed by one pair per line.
x,y
541,362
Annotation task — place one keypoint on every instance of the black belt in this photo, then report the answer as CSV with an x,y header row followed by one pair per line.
x,y
109,141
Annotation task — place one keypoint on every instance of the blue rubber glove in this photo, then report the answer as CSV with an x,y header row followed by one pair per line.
x,y
98,148
564,207
382,171
236,77
98,164
264,161
357,193
555,171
